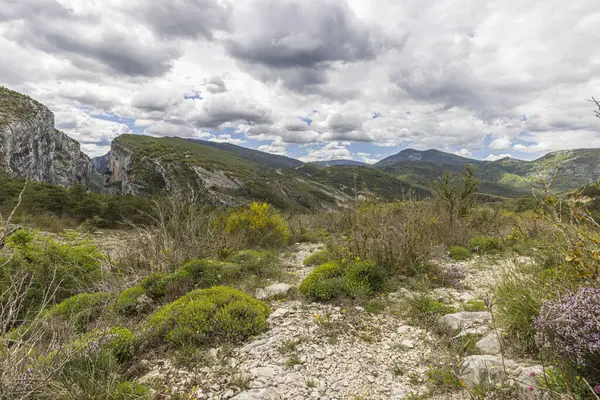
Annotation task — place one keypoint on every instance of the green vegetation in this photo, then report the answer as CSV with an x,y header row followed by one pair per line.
x,y
54,270
208,315
82,309
260,225
318,258
485,244
354,279
459,253
53,207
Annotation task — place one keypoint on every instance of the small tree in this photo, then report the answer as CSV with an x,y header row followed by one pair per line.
x,y
457,199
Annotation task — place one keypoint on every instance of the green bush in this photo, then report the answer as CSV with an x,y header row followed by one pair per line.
x,y
82,309
334,279
318,258
459,253
207,273
260,263
485,244
127,301
131,391
258,225
209,315
159,285
118,341
56,269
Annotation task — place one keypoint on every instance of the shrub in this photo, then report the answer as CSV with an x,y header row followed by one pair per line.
x,y
82,309
55,269
459,253
325,282
427,309
207,273
520,293
570,326
399,237
131,391
260,263
118,341
173,285
209,315
258,225
485,244
318,258
443,377
128,300
333,279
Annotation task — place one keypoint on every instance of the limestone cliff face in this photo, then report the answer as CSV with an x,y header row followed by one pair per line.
x,y
30,146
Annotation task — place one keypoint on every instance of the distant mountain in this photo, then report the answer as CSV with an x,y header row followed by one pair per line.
x,y
432,156
506,177
332,163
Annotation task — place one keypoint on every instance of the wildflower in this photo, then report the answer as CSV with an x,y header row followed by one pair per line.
x,y
530,388
532,374
597,389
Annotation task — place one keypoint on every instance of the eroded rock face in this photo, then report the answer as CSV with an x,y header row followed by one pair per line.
x,y
31,147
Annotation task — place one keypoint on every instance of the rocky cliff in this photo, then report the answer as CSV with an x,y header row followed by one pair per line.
x,y
31,147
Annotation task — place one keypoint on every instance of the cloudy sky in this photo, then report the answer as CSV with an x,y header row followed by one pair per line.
x,y
313,79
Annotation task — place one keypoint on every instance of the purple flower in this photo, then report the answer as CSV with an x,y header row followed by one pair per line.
x,y
597,389
569,326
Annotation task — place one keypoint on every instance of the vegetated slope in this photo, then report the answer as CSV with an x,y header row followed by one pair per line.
x,y
229,175
506,177
359,181
259,157
31,147
332,163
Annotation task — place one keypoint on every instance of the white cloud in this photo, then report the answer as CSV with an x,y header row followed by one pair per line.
x,y
331,151
463,153
424,74
500,143
495,157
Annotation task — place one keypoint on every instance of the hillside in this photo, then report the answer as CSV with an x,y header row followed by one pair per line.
x,y
332,163
31,147
225,174
506,177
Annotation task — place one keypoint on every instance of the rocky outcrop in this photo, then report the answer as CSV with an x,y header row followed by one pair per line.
x,y
30,146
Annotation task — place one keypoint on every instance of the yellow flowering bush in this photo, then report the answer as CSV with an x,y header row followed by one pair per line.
x,y
258,225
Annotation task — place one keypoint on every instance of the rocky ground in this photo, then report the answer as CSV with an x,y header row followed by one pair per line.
x,y
322,351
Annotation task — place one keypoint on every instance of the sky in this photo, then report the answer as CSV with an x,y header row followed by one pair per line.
x,y
313,79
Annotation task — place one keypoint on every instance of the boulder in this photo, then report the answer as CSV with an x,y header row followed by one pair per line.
x,y
484,370
464,320
489,344
527,381
278,289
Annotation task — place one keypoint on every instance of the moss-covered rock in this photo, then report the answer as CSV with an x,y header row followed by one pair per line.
x,y
209,315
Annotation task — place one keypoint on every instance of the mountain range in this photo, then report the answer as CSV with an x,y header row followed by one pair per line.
x,y
226,174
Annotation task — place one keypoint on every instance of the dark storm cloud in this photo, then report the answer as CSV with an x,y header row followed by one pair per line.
x,y
184,18
48,26
296,41
216,84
